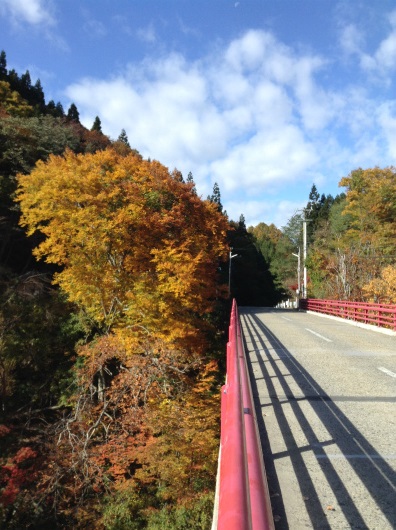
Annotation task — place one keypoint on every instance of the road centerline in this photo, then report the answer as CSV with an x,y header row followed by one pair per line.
x,y
386,371
318,335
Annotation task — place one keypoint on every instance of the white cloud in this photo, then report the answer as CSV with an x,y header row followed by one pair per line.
x,y
277,212
147,34
386,54
269,159
34,12
387,120
255,117
351,39
382,60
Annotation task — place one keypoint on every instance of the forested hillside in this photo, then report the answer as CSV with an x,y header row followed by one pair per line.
x,y
112,302
351,240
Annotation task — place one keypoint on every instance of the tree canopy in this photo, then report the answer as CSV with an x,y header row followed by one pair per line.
x,y
137,249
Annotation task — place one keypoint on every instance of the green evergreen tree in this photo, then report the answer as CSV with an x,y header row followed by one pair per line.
x,y
123,138
97,125
38,96
13,79
216,197
25,86
316,211
51,107
190,180
3,66
73,114
59,110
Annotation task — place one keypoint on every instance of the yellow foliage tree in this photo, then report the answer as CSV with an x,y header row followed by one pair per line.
x,y
371,203
138,250
383,289
11,102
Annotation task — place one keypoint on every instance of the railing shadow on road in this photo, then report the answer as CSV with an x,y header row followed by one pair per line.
x,y
374,472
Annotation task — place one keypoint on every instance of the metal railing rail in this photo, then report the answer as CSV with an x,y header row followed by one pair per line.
x,y
243,497
382,315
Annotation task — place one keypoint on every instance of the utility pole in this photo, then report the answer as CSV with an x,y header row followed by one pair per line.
x,y
298,256
305,292
229,272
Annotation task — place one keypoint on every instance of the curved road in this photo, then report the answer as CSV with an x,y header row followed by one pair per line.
x,y
325,395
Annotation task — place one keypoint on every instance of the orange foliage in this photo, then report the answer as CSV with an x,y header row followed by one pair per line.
x,y
139,250
383,289
181,458
139,253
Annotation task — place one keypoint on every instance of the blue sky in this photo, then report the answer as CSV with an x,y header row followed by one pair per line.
x,y
265,97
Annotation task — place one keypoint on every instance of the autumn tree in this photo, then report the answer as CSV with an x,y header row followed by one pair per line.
x,y
138,253
383,289
81,427
12,103
138,249
371,203
355,241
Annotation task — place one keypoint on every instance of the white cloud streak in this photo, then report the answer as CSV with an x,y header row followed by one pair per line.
x,y
382,61
34,12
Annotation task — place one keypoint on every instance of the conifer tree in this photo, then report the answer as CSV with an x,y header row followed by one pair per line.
x,y
216,197
25,85
38,95
190,180
123,138
97,125
73,114
59,109
55,110
3,65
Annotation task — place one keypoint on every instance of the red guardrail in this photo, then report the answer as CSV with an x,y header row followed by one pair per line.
x,y
243,497
383,315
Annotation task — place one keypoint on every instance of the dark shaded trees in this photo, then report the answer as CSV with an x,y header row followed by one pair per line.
x,y
73,114
97,125
216,197
251,281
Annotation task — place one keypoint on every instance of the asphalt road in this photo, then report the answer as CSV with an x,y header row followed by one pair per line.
x,y
325,394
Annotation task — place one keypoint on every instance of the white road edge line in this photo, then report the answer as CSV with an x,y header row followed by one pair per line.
x,y
318,335
357,456
288,319
386,371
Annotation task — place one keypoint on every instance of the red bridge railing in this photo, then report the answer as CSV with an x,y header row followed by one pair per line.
x,y
242,492
383,315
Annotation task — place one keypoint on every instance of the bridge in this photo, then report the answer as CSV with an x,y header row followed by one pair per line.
x,y
323,405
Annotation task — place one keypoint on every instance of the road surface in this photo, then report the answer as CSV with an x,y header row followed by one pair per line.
x,y
325,394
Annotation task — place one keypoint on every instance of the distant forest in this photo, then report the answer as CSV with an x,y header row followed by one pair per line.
x,y
115,289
